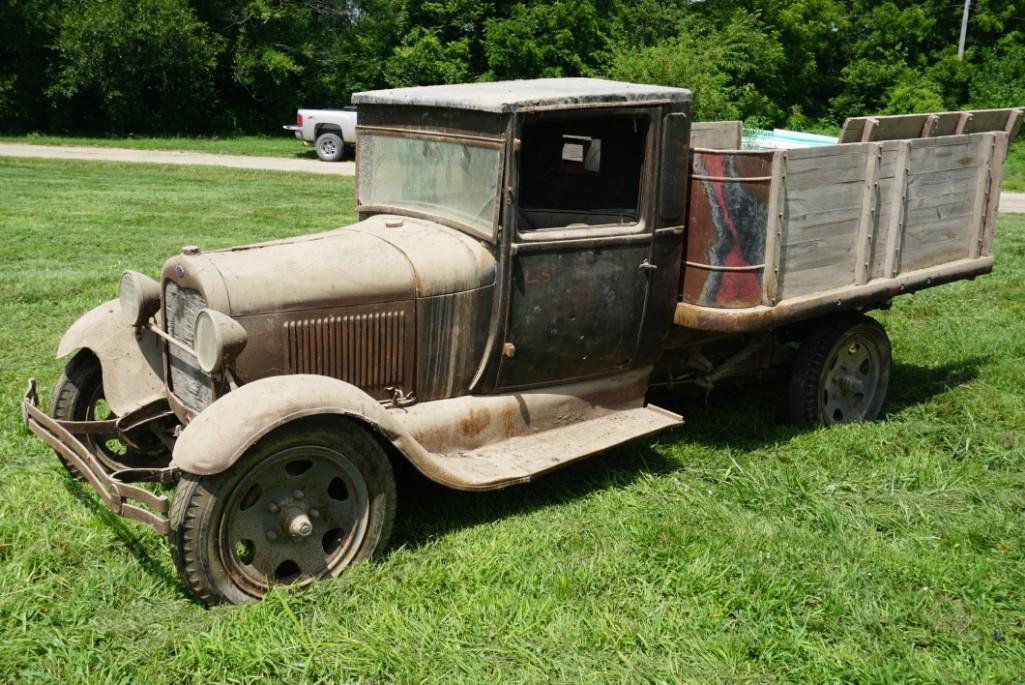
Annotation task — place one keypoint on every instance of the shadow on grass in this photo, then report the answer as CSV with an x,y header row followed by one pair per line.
x,y
128,532
741,414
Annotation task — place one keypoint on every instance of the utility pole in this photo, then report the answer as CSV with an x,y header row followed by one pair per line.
x,y
964,29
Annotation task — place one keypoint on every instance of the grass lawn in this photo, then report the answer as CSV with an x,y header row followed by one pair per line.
x,y
735,549
1014,169
283,145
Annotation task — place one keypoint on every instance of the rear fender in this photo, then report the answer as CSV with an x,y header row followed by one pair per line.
x,y
132,365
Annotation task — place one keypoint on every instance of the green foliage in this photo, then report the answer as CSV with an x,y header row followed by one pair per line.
x,y
134,65
423,59
562,38
717,65
245,65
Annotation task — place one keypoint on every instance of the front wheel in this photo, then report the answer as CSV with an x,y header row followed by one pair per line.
x,y
330,147
302,504
78,396
841,372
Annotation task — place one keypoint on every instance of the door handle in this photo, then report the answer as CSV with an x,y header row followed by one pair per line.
x,y
647,266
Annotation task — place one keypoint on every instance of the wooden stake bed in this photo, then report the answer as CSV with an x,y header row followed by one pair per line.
x,y
779,235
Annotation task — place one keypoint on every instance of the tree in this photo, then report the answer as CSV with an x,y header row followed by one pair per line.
x,y
134,65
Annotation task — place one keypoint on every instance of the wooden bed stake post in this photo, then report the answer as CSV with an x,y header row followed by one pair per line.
x,y
868,133
895,232
987,150
867,222
774,229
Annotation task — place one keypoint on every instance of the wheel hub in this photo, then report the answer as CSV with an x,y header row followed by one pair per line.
x,y
851,381
849,384
300,516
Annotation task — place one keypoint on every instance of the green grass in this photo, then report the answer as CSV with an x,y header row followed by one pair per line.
x,y
735,549
1014,168
283,145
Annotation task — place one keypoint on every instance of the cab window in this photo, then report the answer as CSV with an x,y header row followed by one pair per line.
x,y
582,172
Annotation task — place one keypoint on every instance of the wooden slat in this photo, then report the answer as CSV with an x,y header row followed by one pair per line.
x,y
867,220
818,279
716,135
802,202
907,126
774,229
895,223
815,173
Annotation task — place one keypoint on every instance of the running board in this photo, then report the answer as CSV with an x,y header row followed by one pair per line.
x,y
519,459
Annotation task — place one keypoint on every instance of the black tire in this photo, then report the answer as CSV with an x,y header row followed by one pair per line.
x,y
230,532
78,396
330,147
841,373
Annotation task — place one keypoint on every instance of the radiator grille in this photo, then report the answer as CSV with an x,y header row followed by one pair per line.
x,y
188,381
366,350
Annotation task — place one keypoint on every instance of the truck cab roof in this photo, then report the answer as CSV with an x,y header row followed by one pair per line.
x,y
507,97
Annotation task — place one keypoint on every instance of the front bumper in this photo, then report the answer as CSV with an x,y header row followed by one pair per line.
x,y
112,487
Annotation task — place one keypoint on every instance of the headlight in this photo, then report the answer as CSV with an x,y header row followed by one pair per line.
x,y
140,297
218,339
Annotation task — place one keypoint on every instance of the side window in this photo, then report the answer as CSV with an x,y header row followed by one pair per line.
x,y
584,172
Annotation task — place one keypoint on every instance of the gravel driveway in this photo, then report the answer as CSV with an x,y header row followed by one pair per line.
x,y
1009,202
120,154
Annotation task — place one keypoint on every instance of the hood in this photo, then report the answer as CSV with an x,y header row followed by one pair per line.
x,y
385,258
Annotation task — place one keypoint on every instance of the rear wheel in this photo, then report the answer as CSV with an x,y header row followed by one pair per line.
x,y
302,504
841,372
330,147
78,396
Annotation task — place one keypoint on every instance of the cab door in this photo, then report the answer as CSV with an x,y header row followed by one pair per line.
x,y
580,247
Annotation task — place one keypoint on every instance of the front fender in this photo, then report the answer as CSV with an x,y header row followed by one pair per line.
x,y
132,365
219,435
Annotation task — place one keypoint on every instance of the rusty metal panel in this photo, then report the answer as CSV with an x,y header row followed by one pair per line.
x,y
451,333
575,310
366,349
728,216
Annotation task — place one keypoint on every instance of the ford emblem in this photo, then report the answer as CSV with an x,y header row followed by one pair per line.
x,y
179,270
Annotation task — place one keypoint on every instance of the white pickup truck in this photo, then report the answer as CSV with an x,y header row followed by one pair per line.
x,y
332,132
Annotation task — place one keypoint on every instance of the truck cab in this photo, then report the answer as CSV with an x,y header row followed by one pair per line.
x,y
576,186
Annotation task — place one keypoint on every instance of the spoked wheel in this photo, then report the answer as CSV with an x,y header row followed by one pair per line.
x,y
841,373
301,505
78,396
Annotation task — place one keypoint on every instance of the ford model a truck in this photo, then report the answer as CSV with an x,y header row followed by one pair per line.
x,y
530,258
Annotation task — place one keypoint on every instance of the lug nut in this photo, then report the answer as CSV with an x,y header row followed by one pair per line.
x,y
298,494
271,535
272,508
314,514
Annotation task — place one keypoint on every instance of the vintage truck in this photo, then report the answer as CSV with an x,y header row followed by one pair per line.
x,y
331,132
531,257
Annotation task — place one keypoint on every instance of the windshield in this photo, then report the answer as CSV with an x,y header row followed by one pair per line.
x,y
448,179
